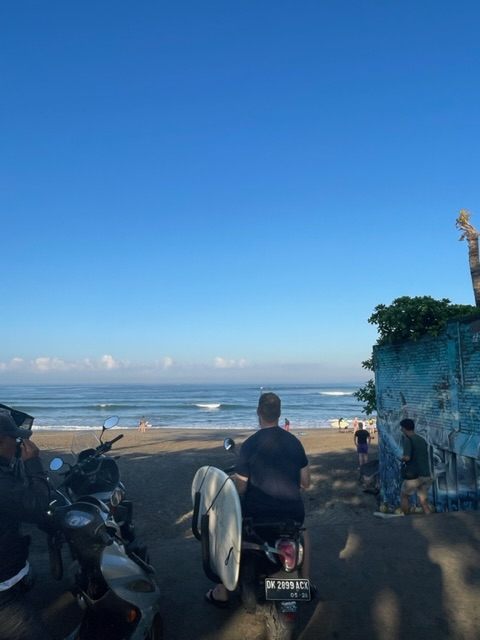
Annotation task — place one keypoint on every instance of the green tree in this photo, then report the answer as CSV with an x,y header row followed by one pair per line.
x,y
407,319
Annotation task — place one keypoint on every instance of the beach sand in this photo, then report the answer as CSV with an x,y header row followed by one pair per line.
x,y
414,577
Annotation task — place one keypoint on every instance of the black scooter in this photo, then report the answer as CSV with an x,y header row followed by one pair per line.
x,y
114,584
96,474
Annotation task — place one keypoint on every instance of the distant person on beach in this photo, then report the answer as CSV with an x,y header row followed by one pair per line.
x,y
143,425
415,455
355,424
24,497
361,439
271,470
287,424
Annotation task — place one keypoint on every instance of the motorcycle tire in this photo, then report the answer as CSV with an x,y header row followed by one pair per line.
x,y
278,627
156,630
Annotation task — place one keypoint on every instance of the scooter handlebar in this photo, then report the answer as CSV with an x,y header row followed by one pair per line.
x,y
106,446
116,439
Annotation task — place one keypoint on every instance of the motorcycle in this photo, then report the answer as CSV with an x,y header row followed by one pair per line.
x,y
114,584
270,568
98,475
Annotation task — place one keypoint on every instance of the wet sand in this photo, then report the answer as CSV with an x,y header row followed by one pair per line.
x,y
414,577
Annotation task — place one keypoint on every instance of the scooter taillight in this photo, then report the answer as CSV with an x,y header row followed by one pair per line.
x,y
291,553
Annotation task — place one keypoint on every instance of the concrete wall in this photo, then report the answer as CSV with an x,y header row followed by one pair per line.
x,y
435,381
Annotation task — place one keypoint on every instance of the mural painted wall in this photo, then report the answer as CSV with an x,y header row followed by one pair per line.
x,y
436,382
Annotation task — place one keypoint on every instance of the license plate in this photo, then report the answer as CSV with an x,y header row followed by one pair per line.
x,y
287,589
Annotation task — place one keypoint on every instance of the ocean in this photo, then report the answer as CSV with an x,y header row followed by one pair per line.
x,y
229,406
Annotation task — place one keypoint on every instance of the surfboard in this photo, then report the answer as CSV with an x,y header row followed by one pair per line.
x,y
219,499
339,424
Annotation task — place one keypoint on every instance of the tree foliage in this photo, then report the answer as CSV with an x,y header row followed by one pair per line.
x,y
408,319
366,394
412,318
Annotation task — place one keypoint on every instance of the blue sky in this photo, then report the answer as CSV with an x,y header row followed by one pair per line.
x,y
225,190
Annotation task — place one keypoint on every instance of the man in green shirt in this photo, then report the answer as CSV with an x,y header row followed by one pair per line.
x,y
415,455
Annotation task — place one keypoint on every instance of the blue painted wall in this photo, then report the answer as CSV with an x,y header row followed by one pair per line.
x,y
435,381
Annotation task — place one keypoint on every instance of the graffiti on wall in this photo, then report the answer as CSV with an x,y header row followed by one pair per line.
x,y
436,384
456,484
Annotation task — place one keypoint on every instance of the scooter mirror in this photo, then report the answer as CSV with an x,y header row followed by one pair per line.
x,y
110,422
229,444
55,464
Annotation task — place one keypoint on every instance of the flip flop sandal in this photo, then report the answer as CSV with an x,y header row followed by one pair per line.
x,y
221,604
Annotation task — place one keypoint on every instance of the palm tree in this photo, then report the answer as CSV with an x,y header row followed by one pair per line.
x,y
471,235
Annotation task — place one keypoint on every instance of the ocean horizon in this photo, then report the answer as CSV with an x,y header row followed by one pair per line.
x,y
176,405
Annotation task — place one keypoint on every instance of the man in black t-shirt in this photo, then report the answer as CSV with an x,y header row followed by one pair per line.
x,y
362,439
272,469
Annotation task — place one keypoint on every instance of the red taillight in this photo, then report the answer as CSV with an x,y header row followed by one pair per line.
x,y
288,552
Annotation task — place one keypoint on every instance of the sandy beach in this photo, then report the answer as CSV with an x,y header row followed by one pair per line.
x,y
412,577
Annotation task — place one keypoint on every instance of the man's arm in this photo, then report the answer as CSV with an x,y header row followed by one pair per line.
x,y
241,482
407,450
305,477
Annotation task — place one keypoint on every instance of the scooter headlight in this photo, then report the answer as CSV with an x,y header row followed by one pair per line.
x,y
77,519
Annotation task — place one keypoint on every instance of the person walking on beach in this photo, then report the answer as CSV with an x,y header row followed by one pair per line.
x,y
416,459
361,438
24,497
287,424
143,425
271,470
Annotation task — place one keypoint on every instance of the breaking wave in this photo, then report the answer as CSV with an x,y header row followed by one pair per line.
x,y
208,405
336,393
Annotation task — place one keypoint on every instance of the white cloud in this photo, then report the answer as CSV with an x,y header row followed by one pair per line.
x,y
165,368
168,362
224,363
14,364
50,364
109,362
46,364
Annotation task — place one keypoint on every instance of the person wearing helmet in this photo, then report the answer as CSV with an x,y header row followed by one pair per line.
x,y
24,497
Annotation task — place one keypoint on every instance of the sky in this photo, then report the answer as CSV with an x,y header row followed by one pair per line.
x,y
224,191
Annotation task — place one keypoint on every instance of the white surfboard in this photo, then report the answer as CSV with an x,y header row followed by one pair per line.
x,y
219,499
339,424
